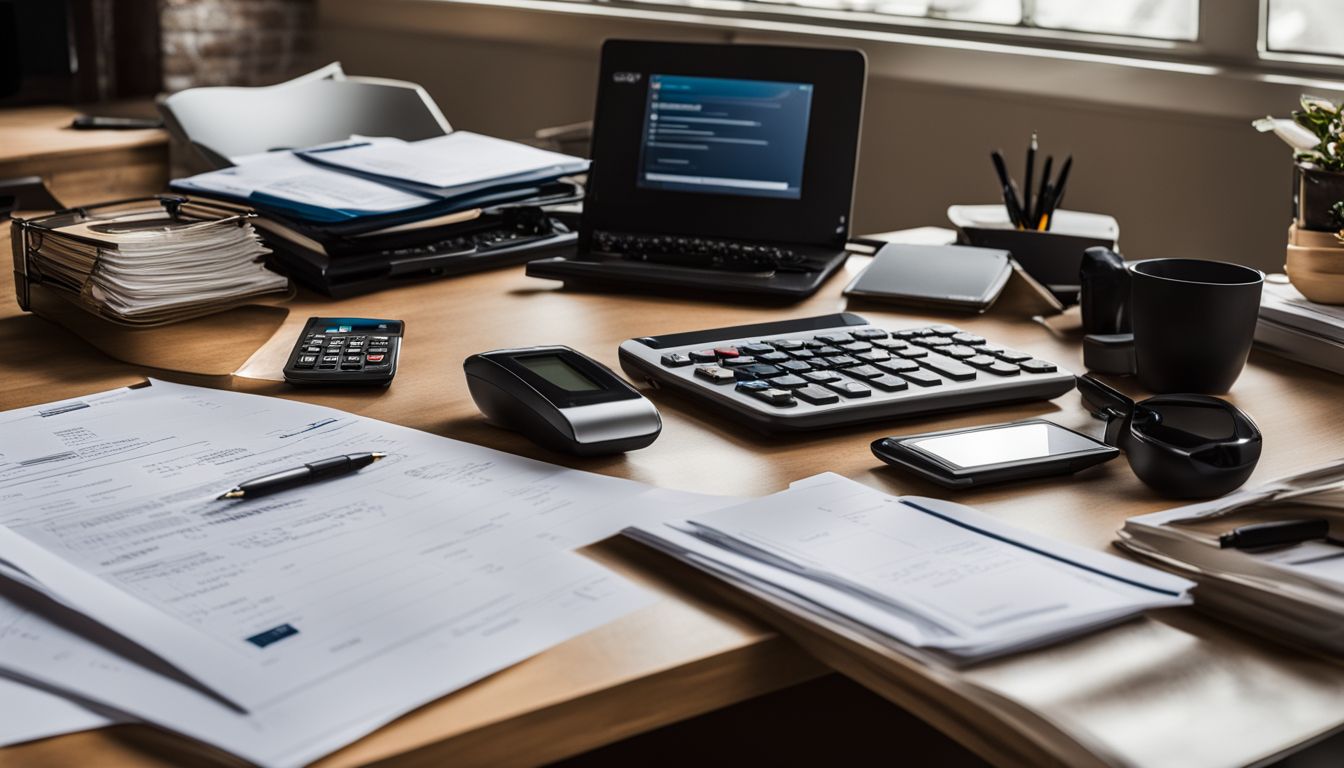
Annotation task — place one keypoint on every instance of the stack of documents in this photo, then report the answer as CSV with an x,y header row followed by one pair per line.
x,y
384,181
143,266
921,576
1298,329
1291,592
284,627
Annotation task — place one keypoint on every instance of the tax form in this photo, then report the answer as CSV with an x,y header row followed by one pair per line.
x,y
436,566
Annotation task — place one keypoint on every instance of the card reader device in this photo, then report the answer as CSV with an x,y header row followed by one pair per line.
x,y
561,400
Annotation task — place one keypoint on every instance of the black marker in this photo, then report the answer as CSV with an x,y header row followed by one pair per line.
x,y
1275,534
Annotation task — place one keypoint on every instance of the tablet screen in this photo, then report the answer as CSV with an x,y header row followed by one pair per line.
x,y
998,445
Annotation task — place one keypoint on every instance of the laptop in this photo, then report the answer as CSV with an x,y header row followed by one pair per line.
x,y
718,169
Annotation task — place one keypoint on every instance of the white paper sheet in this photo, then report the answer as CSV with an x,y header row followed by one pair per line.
x,y
28,714
126,477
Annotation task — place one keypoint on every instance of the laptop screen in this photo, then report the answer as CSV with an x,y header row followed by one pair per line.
x,y
726,136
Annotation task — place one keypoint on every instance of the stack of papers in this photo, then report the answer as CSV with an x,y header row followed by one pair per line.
x,y
377,177
144,267
1288,592
284,627
921,576
1292,326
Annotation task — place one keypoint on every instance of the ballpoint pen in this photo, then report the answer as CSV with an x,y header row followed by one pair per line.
x,y
1277,533
1029,221
1009,195
308,473
1057,195
1034,220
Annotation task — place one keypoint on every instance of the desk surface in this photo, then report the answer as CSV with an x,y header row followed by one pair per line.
x,y
692,651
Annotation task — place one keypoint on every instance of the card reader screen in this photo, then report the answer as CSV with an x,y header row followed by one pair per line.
x,y
558,372
1017,442
713,134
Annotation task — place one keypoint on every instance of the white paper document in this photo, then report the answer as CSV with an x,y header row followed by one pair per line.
x,y
27,714
922,572
318,613
460,159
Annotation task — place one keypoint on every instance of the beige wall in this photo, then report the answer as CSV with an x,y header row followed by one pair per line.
x,y
1181,185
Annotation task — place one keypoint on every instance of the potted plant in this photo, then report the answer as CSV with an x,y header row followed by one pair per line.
x,y
1316,134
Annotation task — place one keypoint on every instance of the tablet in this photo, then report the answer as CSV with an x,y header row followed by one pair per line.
x,y
742,142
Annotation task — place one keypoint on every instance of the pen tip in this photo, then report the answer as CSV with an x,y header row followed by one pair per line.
x,y
234,494
376,455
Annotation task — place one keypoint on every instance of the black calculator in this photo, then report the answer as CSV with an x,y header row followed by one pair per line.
x,y
346,350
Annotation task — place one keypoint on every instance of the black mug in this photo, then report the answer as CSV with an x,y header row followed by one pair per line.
x,y
1193,324
1193,321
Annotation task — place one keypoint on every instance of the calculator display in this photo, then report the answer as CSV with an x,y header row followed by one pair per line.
x,y
563,375
359,325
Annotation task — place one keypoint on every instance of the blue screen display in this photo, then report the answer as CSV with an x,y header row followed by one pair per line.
x,y
739,137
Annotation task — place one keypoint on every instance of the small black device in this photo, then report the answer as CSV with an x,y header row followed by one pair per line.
x,y
346,351
1182,446
562,400
718,168
833,370
939,276
975,456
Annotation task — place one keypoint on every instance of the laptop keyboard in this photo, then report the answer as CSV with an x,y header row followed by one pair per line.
x,y
702,252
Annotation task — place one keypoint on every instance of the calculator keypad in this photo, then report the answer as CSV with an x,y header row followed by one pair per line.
x,y
340,354
856,366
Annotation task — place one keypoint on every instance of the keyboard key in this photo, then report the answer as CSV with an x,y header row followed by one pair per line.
x,y
802,354
676,360
952,369
1004,369
757,371
856,346
795,366
1012,356
374,358
305,361
868,334
969,339
841,361
774,396
816,395
849,388
773,357
863,372
727,352
945,330
788,381
959,351
739,361
834,338
921,377
890,343
377,350
888,383
827,351
821,377
912,333
331,359
874,356
897,365
981,361
1038,366
787,345
715,374
934,341
313,350
704,356
820,363
752,385
913,352
755,349
814,344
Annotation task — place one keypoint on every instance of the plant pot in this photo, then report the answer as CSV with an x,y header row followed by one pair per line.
x,y
1315,192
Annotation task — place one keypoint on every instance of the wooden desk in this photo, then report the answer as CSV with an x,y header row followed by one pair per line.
x,y
82,167
1229,694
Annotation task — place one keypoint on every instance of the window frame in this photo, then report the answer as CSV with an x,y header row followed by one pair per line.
x,y
1300,59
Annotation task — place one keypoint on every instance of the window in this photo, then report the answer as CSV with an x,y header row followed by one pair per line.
x,y
1162,19
1305,26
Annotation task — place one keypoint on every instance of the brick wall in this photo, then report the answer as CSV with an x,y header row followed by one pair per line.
x,y
235,42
